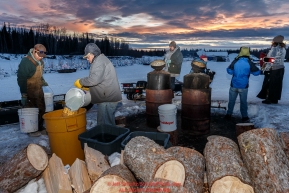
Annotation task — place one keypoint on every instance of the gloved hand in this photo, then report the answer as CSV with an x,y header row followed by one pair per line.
x,y
78,85
168,61
23,99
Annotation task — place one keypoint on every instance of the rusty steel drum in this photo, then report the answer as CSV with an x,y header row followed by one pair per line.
x,y
196,110
155,98
196,81
158,80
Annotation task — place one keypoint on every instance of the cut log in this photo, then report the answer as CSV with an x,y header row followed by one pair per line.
x,y
3,191
243,127
162,185
173,135
55,178
194,164
120,120
23,167
285,142
79,176
95,162
265,159
225,169
116,179
206,185
148,160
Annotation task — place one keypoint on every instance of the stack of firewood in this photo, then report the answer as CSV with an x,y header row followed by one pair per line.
x,y
258,163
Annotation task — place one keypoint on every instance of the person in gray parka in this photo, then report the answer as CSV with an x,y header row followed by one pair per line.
x,y
174,60
102,83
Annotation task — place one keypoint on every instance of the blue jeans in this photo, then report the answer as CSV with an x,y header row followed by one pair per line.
x,y
233,93
106,112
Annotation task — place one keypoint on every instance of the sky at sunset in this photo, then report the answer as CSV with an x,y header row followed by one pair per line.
x,y
209,24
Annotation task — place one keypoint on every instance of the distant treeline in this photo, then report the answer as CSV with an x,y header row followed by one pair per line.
x,y
18,40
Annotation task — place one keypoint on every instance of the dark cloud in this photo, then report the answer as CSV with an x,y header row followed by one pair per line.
x,y
187,15
224,37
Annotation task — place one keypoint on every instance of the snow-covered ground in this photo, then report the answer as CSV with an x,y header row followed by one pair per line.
x,y
272,116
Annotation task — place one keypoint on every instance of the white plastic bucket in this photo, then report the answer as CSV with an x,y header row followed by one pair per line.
x,y
76,98
48,98
28,119
168,117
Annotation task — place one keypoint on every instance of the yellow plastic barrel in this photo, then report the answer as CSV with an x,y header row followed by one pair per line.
x,y
63,134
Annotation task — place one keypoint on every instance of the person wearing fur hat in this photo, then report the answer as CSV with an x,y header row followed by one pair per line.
x,y
273,72
240,68
30,81
174,60
102,83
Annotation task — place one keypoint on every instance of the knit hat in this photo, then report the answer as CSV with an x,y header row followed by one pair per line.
x,y
278,39
173,44
41,50
203,56
91,48
244,52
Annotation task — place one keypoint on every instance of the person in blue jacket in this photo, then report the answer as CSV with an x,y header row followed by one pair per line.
x,y
240,68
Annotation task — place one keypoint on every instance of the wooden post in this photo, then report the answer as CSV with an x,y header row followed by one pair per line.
x,y
225,169
95,161
243,127
23,167
194,164
148,160
119,120
265,160
173,135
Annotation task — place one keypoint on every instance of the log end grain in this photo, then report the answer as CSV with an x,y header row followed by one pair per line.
x,y
37,156
172,170
230,184
162,185
116,179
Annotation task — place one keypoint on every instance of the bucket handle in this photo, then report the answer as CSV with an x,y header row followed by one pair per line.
x,y
71,125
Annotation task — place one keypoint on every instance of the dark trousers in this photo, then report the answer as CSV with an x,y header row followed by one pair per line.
x,y
173,80
272,85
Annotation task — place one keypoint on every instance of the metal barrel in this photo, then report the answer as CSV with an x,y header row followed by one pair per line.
x,y
196,110
158,80
155,98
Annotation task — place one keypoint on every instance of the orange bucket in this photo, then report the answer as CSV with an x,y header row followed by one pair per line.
x,y
63,134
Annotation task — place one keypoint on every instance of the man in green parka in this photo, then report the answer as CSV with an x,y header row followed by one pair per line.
x,y
30,81
174,60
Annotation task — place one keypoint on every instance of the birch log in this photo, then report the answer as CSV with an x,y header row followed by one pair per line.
x,y
194,164
265,159
225,169
148,160
23,167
